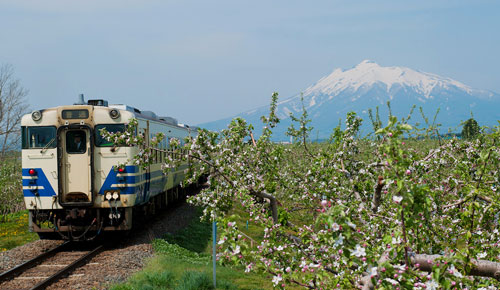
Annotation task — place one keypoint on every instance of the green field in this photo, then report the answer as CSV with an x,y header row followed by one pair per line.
x,y
14,232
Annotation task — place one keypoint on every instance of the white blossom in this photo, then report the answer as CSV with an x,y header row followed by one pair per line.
x,y
339,241
397,198
455,272
359,251
277,279
431,285
392,281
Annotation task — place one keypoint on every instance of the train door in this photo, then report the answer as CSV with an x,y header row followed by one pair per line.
x,y
75,166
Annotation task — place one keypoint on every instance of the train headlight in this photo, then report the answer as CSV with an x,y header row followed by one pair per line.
x,y
36,115
109,195
116,196
114,113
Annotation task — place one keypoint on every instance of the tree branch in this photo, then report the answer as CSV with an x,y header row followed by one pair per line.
x,y
480,268
377,195
272,200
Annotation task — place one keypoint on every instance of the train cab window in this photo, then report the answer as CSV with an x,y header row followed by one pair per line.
x,y
76,142
39,137
112,128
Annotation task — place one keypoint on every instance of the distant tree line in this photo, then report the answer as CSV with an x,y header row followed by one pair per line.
x,y
13,106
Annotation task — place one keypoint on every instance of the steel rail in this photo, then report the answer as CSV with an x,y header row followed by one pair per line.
x,y
9,274
79,262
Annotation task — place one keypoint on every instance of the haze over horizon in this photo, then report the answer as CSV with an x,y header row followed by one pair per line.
x,y
199,61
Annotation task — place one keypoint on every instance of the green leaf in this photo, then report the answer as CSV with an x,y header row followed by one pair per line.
x,y
437,273
483,155
406,127
387,239
400,185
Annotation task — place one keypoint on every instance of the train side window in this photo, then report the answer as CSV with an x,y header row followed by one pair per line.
x,y
112,128
39,137
76,142
170,150
164,148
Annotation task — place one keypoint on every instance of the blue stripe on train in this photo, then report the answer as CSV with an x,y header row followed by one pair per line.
x,y
143,191
113,178
40,180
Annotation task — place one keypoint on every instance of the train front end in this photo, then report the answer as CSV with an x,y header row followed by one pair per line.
x,y
66,167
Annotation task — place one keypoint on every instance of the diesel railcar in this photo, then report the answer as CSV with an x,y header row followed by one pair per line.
x,y
72,185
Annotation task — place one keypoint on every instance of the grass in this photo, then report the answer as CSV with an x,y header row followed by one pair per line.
x,y
193,238
251,229
14,232
183,262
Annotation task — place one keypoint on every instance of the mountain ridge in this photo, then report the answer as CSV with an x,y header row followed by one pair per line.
x,y
368,85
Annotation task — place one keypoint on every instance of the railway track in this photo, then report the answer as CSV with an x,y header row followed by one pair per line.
x,y
45,269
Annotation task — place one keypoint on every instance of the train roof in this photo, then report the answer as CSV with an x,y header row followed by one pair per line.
x,y
149,115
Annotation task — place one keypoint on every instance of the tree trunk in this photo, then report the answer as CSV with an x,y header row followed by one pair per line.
x,y
481,268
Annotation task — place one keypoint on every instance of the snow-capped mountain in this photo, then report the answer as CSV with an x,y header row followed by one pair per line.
x,y
368,85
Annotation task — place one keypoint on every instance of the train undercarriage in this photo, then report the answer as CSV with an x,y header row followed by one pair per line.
x,y
87,223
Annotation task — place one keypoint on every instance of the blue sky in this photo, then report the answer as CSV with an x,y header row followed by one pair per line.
x,y
201,61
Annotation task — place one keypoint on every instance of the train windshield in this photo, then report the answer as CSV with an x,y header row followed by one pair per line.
x,y
39,137
112,128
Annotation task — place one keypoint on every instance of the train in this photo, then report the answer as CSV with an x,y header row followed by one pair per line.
x,y
72,185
